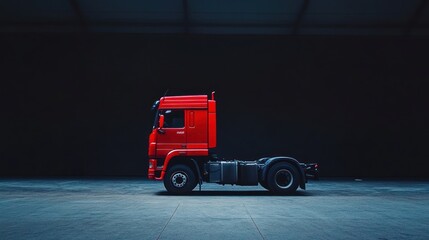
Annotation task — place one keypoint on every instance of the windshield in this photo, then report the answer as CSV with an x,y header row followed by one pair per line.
x,y
155,109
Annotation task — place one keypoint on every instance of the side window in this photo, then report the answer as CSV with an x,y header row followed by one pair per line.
x,y
174,118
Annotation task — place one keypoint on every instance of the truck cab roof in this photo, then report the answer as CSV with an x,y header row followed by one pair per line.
x,y
180,102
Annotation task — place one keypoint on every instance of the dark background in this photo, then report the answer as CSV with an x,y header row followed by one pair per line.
x,y
79,105
341,83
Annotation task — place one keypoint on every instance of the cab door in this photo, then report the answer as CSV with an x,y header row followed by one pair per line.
x,y
173,134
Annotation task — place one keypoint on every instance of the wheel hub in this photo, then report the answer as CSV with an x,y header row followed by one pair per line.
x,y
284,179
179,179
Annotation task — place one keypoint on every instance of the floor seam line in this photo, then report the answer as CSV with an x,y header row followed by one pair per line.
x,y
262,236
165,226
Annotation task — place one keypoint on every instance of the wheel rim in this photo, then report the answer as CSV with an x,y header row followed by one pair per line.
x,y
179,179
284,179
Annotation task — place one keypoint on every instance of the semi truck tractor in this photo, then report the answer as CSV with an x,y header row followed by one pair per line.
x,y
182,152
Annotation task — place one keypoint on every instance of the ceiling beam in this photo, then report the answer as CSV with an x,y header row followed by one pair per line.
x,y
185,16
79,15
415,18
14,26
300,16
231,25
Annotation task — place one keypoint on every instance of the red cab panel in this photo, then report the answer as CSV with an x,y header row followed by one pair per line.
x,y
196,128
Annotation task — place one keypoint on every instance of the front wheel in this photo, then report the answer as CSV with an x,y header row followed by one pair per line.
x,y
180,179
283,178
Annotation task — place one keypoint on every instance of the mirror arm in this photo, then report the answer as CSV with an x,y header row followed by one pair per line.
x,y
160,131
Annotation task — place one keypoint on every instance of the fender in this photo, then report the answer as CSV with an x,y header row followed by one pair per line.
x,y
271,161
181,152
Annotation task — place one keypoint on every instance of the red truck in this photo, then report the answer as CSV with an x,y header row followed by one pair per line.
x,y
181,152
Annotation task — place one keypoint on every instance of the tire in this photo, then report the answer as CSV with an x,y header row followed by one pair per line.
x,y
263,182
180,179
283,178
264,185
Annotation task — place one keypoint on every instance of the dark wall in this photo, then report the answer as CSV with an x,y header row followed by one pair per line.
x,y
79,105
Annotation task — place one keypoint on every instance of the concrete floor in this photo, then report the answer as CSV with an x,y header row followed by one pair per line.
x,y
140,209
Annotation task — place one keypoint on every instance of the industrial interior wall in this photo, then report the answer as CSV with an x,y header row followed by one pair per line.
x,y
79,104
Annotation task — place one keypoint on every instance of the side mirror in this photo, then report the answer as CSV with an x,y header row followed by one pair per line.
x,y
161,124
161,121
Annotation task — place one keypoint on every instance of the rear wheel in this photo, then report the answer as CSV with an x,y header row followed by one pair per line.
x,y
180,179
263,182
283,178
264,185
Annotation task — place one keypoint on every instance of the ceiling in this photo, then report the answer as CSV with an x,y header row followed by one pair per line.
x,y
279,17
